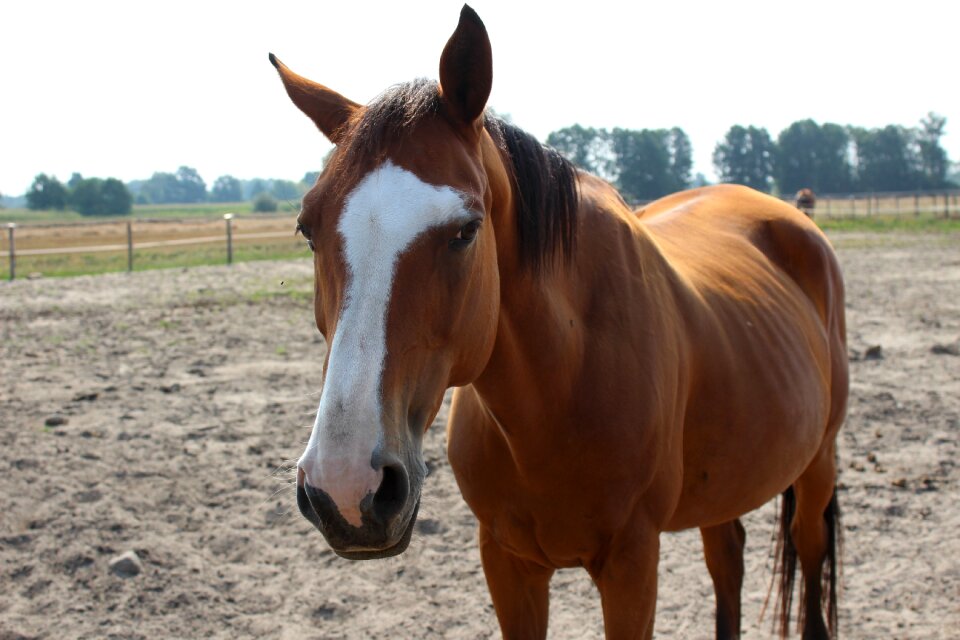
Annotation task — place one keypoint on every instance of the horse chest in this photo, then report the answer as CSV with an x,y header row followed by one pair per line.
x,y
555,506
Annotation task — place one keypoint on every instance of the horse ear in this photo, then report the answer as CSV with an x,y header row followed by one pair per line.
x,y
466,69
329,110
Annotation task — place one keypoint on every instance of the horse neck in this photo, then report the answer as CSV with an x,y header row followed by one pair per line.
x,y
544,327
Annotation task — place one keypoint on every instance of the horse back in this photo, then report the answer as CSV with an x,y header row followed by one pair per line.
x,y
694,227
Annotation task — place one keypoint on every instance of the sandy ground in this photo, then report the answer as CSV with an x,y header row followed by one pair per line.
x,y
188,393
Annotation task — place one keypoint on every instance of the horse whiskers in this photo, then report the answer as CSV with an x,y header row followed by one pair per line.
x,y
286,488
288,466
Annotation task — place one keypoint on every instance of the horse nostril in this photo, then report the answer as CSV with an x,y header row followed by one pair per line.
x,y
310,501
391,497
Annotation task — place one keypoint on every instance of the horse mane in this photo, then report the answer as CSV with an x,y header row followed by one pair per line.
x,y
547,186
546,182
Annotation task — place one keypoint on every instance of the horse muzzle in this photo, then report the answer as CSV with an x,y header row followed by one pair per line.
x,y
387,517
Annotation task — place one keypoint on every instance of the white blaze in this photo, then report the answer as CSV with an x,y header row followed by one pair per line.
x,y
382,216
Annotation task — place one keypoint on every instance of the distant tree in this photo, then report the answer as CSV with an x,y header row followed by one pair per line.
x,y
953,177
834,171
226,189
184,186
96,197
799,149
933,159
681,159
74,180
264,203
884,161
160,188
588,148
86,198
309,179
814,157
253,188
46,192
746,156
643,163
285,190
115,198
193,188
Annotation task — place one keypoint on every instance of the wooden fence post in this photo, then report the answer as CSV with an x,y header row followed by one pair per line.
x,y
13,253
129,246
916,204
229,217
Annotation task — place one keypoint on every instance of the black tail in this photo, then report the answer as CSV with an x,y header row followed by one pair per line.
x,y
831,574
786,561
786,564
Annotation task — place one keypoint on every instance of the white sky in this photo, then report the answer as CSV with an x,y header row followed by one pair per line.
x,y
124,89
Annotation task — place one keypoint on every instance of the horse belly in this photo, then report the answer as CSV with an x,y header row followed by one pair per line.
x,y
753,426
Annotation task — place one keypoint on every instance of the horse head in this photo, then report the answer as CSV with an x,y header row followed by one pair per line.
x,y
401,224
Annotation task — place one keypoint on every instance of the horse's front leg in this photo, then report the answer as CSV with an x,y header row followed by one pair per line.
x,y
626,577
520,590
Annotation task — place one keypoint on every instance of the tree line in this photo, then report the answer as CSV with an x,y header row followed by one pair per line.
x,y
88,196
110,196
644,164
827,158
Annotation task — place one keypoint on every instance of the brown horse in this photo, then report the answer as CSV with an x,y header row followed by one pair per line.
x,y
618,375
806,201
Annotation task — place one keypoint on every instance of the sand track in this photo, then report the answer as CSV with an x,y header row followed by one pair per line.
x,y
187,393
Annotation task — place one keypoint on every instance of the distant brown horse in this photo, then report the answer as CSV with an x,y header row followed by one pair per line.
x,y
806,201
618,375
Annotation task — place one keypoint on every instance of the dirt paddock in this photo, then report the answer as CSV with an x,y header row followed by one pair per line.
x,y
182,396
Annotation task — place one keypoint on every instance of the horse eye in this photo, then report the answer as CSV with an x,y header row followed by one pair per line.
x,y
304,230
466,235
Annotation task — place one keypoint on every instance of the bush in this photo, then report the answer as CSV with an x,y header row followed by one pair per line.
x,y
264,203
86,197
46,192
96,197
115,198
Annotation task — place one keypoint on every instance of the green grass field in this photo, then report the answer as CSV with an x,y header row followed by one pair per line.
x,y
906,223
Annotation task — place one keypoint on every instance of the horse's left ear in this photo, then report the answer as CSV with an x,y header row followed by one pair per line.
x,y
466,70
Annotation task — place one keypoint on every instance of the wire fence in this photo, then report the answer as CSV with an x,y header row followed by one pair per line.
x,y
275,233
84,240
898,204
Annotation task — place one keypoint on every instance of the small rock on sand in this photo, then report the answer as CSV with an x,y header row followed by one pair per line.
x,y
873,353
126,565
56,420
952,349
